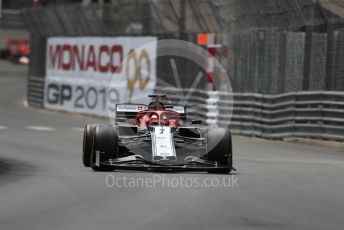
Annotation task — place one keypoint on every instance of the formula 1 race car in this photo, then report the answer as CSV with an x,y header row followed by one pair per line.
x,y
156,137
16,51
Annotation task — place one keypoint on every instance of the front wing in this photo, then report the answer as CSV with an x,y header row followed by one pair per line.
x,y
136,162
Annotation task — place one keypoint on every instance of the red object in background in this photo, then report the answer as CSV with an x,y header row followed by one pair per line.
x,y
11,45
23,47
36,4
20,46
18,51
202,39
211,52
210,77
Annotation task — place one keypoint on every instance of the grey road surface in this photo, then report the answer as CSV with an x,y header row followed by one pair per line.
x,y
43,184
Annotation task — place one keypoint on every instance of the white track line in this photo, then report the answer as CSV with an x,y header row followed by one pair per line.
x,y
40,128
78,129
3,127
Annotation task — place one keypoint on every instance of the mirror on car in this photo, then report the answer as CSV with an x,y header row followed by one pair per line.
x,y
196,122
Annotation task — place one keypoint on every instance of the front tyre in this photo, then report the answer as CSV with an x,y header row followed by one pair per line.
x,y
87,144
105,141
219,144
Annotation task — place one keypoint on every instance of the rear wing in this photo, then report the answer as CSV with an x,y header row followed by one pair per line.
x,y
129,111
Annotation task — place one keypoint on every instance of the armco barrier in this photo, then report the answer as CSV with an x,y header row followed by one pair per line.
x,y
35,91
303,114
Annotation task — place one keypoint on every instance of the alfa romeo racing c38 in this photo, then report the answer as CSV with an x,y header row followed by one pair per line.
x,y
156,137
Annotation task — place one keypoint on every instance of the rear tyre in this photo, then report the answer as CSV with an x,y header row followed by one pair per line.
x,y
87,144
219,143
105,141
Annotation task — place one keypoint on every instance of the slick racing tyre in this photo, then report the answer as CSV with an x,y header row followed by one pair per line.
x,y
219,144
105,141
87,144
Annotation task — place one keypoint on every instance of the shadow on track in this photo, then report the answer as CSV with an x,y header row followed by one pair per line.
x,y
14,170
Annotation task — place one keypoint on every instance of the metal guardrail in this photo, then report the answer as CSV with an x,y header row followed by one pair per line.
x,y
11,19
35,91
315,114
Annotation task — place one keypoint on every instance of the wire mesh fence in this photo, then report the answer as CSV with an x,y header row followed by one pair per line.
x,y
287,15
276,51
131,17
274,46
11,19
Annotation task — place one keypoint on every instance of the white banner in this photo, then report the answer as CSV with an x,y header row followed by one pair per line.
x,y
84,73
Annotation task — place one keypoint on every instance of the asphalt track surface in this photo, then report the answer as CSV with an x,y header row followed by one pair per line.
x,y
43,184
